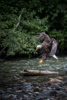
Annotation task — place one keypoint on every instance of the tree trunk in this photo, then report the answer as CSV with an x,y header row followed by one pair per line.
x,y
37,72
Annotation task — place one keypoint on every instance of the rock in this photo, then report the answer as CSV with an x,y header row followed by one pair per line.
x,y
36,93
27,84
36,89
47,99
24,92
35,84
59,77
2,92
15,78
9,97
55,81
61,94
50,93
9,88
57,87
25,97
18,91
40,98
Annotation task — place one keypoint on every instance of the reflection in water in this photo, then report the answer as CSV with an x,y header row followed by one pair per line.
x,y
9,70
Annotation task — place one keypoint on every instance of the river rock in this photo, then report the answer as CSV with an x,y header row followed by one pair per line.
x,y
2,92
40,98
57,87
36,89
27,84
61,94
50,93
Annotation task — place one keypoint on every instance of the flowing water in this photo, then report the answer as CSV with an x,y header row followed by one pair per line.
x,y
9,70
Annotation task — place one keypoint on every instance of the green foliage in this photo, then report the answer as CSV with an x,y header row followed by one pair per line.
x,y
34,26
36,16
18,42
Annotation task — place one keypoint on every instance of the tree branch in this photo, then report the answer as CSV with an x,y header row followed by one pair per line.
x,y
19,18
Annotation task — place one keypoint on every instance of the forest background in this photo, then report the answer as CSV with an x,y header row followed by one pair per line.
x,y
21,20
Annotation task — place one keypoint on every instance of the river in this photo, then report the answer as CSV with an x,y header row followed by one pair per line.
x,y
10,69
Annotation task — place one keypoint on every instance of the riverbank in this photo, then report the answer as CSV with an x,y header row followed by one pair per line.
x,y
35,91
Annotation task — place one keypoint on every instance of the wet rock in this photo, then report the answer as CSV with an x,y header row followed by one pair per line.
x,y
40,98
27,84
15,78
2,92
50,93
48,99
18,91
35,84
20,98
61,94
57,87
9,88
65,82
28,87
51,98
9,97
22,81
25,97
16,85
48,88
24,92
65,89
36,93
36,89
10,92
